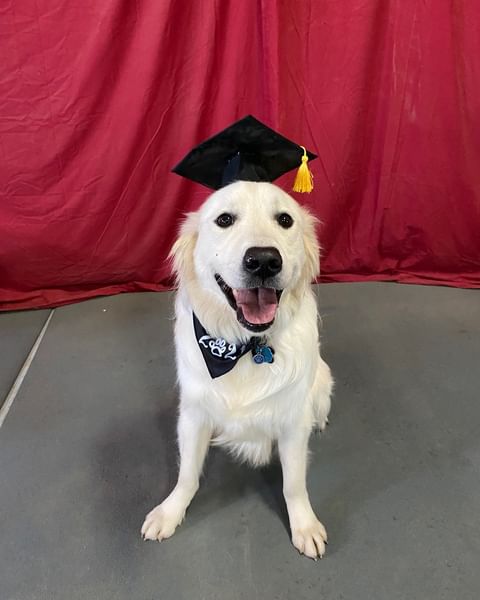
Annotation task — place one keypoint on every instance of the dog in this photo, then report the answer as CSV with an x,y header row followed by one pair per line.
x,y
244,264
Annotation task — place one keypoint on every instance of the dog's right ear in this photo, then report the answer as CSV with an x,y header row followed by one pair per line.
x,y
182,250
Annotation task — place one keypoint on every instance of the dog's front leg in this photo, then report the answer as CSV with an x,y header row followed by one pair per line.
x,y
193,440
308,534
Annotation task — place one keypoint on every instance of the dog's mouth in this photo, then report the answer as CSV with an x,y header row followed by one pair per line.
x,y
255,307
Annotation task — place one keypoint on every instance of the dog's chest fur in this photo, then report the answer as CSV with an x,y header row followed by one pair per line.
x,y
249,406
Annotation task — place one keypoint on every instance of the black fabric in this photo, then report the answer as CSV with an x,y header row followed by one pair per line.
x,y
248,150
242,168
220,356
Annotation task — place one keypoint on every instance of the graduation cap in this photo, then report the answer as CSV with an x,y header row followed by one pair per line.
x,y
248,150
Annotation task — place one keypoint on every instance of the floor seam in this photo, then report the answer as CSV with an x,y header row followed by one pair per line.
x,y
8,402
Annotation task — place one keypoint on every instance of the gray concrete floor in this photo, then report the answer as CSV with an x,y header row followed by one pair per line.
x,y
89,447
18,331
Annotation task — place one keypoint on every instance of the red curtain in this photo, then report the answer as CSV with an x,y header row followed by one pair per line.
x,y
99,98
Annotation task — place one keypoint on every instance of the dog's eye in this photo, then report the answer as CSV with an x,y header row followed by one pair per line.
x,y
284,220
225,220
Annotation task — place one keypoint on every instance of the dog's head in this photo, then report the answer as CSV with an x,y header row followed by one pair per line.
x,y
249,246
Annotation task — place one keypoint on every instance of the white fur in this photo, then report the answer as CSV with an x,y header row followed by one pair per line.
x,y
253,407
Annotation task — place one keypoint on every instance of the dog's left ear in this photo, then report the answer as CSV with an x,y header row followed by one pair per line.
x,y
312,248
182,250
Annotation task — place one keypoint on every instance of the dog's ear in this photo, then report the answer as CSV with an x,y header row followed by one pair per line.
x,y
312,248
182,250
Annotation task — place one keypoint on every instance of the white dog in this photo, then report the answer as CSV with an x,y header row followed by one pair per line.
x,y
244,263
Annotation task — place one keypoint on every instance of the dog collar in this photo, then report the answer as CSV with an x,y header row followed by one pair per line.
x,y
221,356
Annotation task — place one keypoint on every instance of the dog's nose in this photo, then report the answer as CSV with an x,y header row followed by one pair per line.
x,y
264,262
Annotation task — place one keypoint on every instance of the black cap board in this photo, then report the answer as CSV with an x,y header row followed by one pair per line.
x,y
248,150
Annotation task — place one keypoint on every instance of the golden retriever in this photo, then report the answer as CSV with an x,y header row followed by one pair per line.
x,y
244,264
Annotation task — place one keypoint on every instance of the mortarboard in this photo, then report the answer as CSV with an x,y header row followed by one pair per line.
x,y
247,150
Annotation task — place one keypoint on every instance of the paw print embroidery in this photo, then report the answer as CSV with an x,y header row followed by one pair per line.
x,y
219,347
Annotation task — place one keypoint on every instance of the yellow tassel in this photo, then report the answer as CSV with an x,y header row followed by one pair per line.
x,y
304,179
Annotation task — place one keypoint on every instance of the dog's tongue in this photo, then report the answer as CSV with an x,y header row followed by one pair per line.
x,y
259,305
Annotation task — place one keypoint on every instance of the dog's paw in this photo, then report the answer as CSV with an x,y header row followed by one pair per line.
x,y
310,540
160,523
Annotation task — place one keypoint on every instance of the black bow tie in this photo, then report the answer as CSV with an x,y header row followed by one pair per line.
x,y
221,356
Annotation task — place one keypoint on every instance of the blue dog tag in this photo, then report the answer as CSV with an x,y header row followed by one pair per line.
x,y
258,358
262,354
267,354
